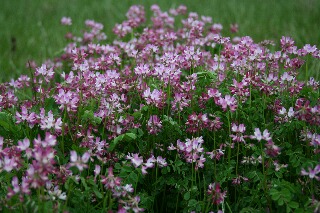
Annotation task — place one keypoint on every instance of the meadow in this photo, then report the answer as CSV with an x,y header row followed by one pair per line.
x,y
110,107
36,33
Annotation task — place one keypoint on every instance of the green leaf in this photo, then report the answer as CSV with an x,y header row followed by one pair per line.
x,y
207,73
178,163
133,177
145,108
130,136
8,124
127,169
97,193
186,196
275,196
165,170
137,115
83,181
248,210
280,202
273,191
4,124
117,166
300,210
288,209
293,204
91,182
49,103
192,202
66,185
286,193
115,142
97,120
126,137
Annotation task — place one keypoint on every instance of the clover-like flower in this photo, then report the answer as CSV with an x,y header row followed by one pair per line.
x,y
79,162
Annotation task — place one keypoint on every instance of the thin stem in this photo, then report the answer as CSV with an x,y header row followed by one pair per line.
x,y
237,158
63,130
306,78
177,204
229,127
168,97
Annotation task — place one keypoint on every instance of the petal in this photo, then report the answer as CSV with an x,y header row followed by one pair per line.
x,y
85,157
73,156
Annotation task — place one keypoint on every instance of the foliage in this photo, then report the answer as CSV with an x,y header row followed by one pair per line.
x,y
166,118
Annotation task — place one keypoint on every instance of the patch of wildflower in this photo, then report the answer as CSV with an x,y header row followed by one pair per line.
x,y
105,105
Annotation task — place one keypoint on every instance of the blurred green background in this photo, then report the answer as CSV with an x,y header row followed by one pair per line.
x,y
30,29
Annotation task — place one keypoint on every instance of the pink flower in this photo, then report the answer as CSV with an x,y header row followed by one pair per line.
x,y
228,101
48,122
31,118
67,99
97,170
272,150
161,161
290,112
24,144
79,162
197,122
312,173
180,101
111,181
286,77
1,143
47,73
154,125
150,162
215,193
136,160
9,164
257,135
192,151
22,187
234,28
50,140
241,128
66,21
156,97
142,69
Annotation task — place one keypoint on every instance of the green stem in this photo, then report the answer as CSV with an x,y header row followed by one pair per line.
x,y
264,177
68,193
177,203
63,130
168,97
192,175
237,158
207,206
312,188
110,202
229,207
250,95
105,201
229,127
306,78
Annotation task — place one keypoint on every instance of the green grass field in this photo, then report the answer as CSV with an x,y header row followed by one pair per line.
x,y
30,29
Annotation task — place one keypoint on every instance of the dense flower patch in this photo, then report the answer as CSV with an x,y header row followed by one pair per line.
x,y
169,117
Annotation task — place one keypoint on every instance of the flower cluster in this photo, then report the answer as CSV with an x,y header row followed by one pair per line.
x,y
95,124
137,160
238,130
123,193
191,151
216,195
272,150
